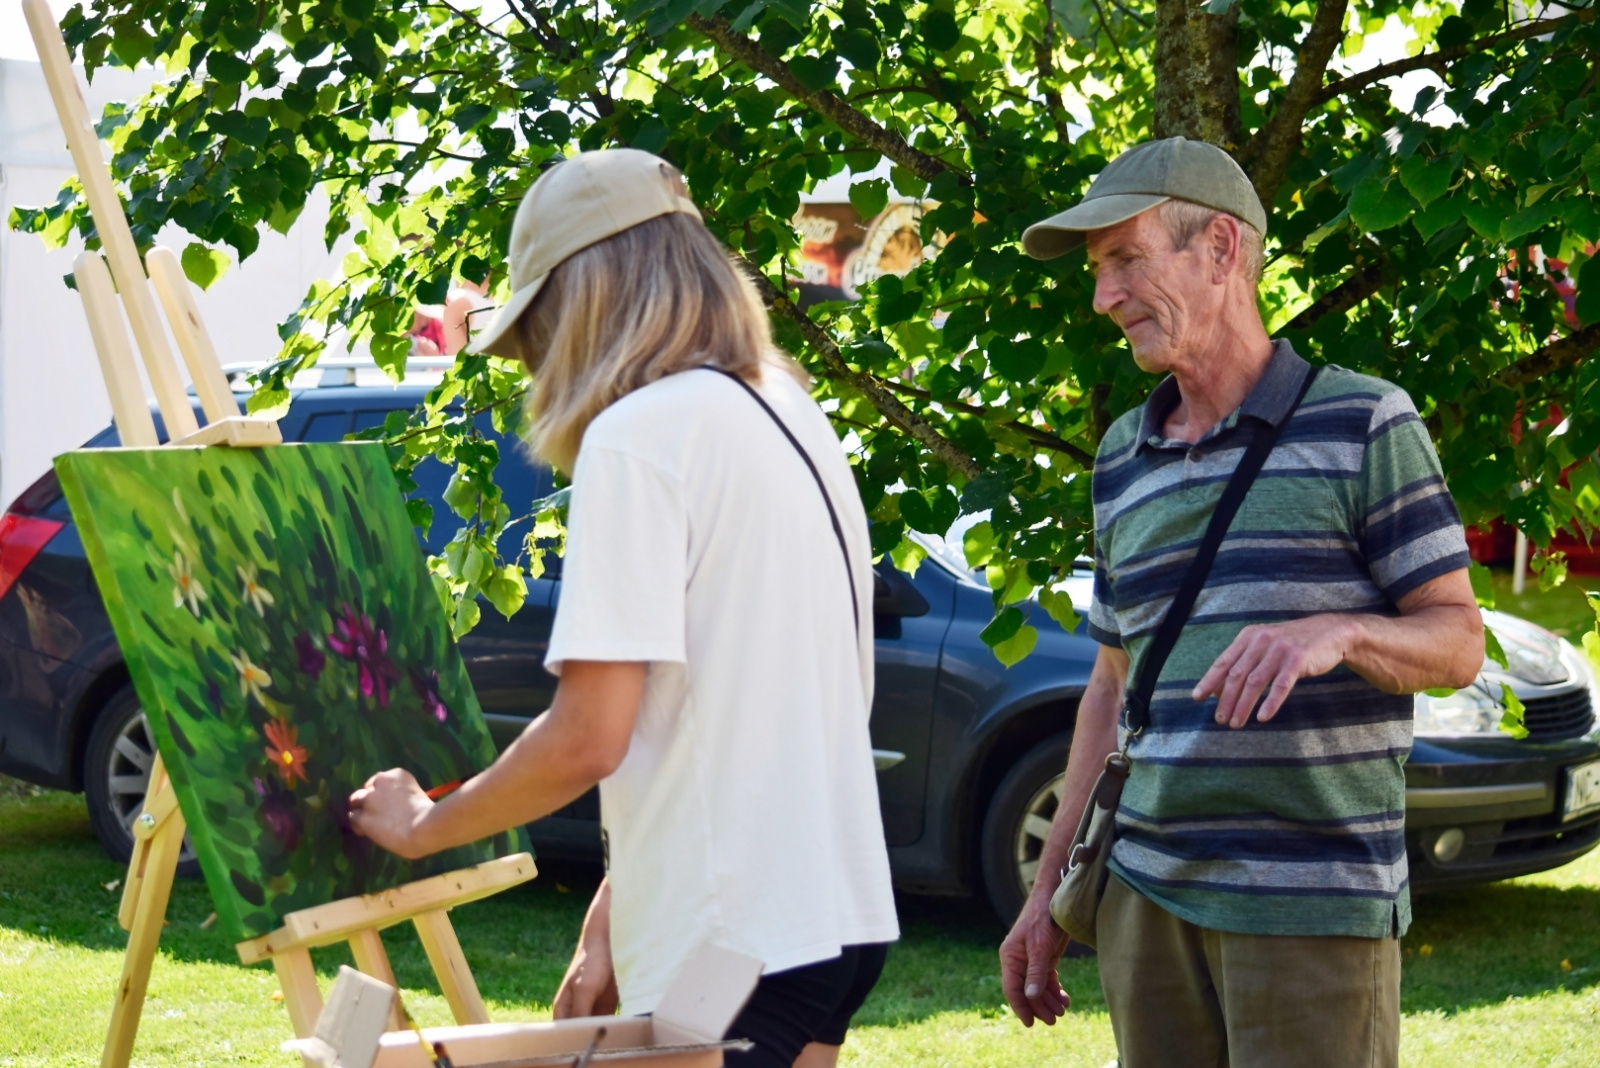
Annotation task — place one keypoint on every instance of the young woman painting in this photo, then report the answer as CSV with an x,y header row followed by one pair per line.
x,y
713,637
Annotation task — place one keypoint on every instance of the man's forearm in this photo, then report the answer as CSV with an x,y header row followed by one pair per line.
x,y
1093,738
1441,645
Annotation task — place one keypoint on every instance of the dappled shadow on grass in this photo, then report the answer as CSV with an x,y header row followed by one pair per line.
x,y
947,960
54,878
1488,944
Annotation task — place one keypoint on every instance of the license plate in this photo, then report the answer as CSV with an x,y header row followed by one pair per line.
x,y
1583,790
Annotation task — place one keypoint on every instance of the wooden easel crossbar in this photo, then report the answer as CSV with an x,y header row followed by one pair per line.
x,y
159,830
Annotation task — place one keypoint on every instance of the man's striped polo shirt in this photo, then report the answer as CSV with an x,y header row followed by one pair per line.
x,y
1294,826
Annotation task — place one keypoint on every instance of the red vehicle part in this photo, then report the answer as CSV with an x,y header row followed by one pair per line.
x,y
21,538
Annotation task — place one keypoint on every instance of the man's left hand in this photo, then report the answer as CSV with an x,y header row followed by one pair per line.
x,y
1268,659
390,809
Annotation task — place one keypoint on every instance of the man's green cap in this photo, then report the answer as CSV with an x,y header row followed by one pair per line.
x,y
1139,179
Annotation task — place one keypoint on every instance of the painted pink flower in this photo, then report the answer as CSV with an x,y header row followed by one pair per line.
x,y
355,639
427,687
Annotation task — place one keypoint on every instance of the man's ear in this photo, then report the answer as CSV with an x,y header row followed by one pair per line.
x,y
1224,242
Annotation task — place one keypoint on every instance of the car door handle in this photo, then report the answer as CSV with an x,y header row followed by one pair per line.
x,y
884,759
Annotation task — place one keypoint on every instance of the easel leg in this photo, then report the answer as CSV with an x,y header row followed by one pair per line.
x,y
298,979
158,859
367,948
455,978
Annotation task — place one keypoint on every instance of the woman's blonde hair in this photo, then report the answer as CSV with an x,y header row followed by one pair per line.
x,y
653,300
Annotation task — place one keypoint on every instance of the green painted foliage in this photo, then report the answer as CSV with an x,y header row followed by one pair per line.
x,y
286,642
1398,239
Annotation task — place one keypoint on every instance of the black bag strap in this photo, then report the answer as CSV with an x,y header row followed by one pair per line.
x,y
1136,702
833,516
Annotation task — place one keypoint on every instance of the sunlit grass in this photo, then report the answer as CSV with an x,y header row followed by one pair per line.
x,y
1489,988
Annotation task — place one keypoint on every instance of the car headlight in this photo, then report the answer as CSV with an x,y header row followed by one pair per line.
x,y
1467,711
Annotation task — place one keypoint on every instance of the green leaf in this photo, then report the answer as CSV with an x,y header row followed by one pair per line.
x,y
1427,179
1002,627
507,591
202,265
858,47
1588,303
1483,216
1377,205
939,29
978,544
908,555
815,72
1060,608
1482,585
461,496
1442,691
466,617
1512,720
1016,648
869,198
931,512
1591,648
1018,361
1492,650
1551,568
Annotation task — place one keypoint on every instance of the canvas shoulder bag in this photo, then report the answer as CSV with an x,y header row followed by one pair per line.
x,y
1076,901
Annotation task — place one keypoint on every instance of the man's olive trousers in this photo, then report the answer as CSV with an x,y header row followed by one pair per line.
x,y
1183,996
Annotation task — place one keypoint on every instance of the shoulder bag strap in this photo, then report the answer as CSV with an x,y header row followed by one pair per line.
x,y
833,516
1137,700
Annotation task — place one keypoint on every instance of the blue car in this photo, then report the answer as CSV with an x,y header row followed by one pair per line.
x,y
969,753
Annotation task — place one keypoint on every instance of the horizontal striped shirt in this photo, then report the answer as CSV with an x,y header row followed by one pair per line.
x,y
1294,826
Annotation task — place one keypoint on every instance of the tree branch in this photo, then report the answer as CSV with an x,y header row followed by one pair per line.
x,y
884,141
1446,56
1268,152
1044,59
1561,353
834,365
1342,297
1040,437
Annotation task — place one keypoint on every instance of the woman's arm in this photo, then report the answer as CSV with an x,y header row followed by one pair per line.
x,y
590,986
579,741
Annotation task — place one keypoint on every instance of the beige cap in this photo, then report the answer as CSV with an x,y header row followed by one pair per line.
x,y
1139,179
577,203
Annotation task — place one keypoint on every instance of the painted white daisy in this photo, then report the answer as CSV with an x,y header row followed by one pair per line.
x,y
251,678
253,592
186,589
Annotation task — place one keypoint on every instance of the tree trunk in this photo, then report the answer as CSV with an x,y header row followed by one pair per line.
x,y
1197,73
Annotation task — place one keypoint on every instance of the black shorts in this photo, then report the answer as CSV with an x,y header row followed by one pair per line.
x,y
813,1003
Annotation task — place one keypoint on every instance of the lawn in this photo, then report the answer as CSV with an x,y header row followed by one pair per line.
x,y
1503,975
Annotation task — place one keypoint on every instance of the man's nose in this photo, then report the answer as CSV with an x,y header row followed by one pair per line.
x,y
1108,293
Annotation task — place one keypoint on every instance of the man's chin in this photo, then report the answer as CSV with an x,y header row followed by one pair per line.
x,y
1151,359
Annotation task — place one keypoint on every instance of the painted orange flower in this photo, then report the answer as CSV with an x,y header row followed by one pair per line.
x,y
288,758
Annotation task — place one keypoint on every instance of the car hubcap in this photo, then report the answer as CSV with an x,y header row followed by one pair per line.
x,y
1034,828
128,776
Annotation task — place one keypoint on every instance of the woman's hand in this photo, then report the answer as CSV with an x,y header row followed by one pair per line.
x,y
590,986
390,810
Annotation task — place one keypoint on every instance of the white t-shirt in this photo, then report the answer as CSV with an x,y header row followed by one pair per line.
x,y
745,814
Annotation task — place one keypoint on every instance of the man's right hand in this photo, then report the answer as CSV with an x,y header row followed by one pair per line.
x,y
1028,959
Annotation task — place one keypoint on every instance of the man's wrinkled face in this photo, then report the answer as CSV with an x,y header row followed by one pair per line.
x,y
1161,297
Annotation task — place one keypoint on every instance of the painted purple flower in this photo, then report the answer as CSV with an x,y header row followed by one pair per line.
x,y
427,687
312,659
282,820
278,813
214,695
355,639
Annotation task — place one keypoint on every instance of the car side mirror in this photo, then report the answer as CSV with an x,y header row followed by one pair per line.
x,y
894,595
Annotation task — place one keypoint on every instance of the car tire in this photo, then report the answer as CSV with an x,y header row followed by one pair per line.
x,y
116,773
1018,819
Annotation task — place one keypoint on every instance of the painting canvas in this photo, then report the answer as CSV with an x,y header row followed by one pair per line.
x,y
285,639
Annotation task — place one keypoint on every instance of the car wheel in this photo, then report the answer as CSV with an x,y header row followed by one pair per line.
x,y
1017,822
116,774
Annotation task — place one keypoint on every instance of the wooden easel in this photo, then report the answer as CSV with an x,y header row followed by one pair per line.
x,y
158,831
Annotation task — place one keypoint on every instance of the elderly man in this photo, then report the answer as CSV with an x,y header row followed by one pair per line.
x,y
1258,880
